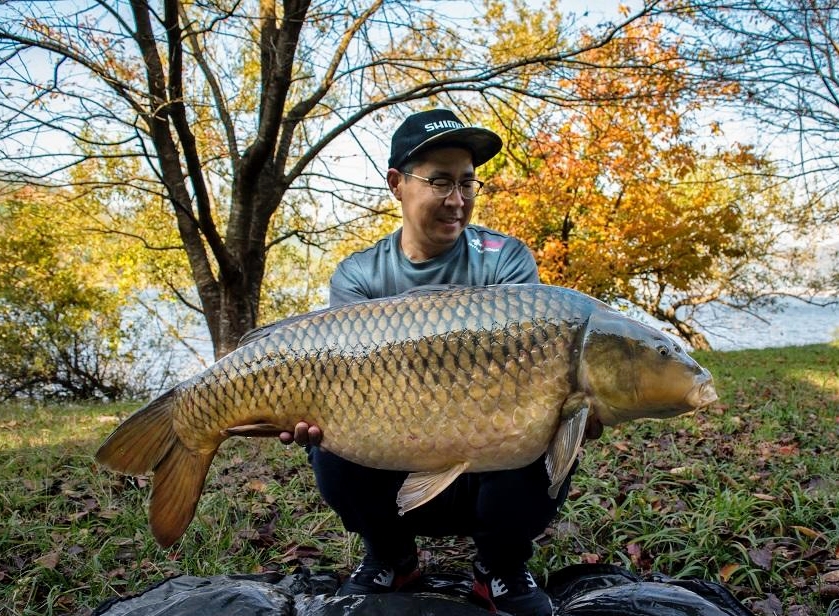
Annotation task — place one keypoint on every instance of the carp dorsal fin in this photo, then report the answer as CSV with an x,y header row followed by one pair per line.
x,y
563,449
419,488
425,289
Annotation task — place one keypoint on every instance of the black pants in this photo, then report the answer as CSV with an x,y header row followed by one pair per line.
x,y
503,511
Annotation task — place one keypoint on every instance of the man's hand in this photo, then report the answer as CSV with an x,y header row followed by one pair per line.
x,y
303,435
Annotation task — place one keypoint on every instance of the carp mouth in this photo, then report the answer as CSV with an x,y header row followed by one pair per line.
x,y
702,395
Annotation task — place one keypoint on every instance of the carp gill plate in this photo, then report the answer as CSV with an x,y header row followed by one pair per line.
x,y
438,382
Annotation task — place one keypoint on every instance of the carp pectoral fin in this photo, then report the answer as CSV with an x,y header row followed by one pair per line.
x,y
563,449
419,488
260,429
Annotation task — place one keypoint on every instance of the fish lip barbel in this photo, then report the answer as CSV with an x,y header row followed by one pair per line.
x,y
511,372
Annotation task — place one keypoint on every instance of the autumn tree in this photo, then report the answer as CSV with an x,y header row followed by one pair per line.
x,y
66,330
243,112
783,57
620,200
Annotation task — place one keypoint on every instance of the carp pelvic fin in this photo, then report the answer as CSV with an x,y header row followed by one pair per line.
x,y
563,449
419,488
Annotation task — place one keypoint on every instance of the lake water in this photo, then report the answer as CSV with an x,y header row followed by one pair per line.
x,y
796,324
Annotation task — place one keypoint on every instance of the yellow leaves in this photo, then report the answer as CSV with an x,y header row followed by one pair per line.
x,y
808,532
726,571
517,30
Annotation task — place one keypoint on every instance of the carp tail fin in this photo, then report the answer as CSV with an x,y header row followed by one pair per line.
x,y
563,449
139,443
147,442
176,487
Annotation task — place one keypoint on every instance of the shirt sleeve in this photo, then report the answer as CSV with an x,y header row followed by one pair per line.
x,y
518,266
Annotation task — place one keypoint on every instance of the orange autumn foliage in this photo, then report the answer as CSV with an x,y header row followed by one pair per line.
x,y
614,195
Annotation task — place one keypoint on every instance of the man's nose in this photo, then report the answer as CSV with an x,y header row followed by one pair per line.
x,y
455,199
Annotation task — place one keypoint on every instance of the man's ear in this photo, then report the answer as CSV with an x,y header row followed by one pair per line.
x,y
394,183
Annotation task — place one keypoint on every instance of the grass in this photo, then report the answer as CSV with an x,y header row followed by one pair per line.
x,y
744,493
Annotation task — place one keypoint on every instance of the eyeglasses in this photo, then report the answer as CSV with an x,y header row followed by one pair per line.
x,y
443,187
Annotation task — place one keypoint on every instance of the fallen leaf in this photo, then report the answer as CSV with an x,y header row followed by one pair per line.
x,y
32,486
764,497
248,534
727,571
257,485
808,532
829,591
589,558
762,558
48,560
771,606
116,573
831,577
634,551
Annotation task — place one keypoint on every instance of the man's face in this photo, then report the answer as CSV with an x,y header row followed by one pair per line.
x,y
431,225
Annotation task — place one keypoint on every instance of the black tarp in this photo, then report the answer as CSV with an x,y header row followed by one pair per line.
x,y
577,590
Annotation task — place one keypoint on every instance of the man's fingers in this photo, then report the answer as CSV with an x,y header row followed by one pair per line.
x,y
304,434
301,433
315,435
286,438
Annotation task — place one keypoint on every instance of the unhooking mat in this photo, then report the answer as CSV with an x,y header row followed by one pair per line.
x,y
577,590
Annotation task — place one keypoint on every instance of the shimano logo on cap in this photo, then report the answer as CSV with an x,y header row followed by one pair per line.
x,y
432,126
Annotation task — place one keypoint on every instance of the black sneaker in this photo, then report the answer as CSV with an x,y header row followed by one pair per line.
x,y
513,592
374,576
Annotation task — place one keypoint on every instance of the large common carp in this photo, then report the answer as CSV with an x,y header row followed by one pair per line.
x,y
438,382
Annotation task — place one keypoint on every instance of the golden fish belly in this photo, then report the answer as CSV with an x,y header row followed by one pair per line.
x,y
488,396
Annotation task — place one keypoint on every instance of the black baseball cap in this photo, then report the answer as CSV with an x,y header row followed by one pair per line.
x,y
440,128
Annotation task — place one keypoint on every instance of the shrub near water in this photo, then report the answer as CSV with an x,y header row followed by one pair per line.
x,y
743,493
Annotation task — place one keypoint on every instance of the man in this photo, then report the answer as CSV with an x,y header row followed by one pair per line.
x,y
432,173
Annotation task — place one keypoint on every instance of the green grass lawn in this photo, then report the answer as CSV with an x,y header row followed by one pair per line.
x,y
744,493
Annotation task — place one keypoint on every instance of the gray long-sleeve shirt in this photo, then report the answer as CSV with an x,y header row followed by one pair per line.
x,y
480,257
